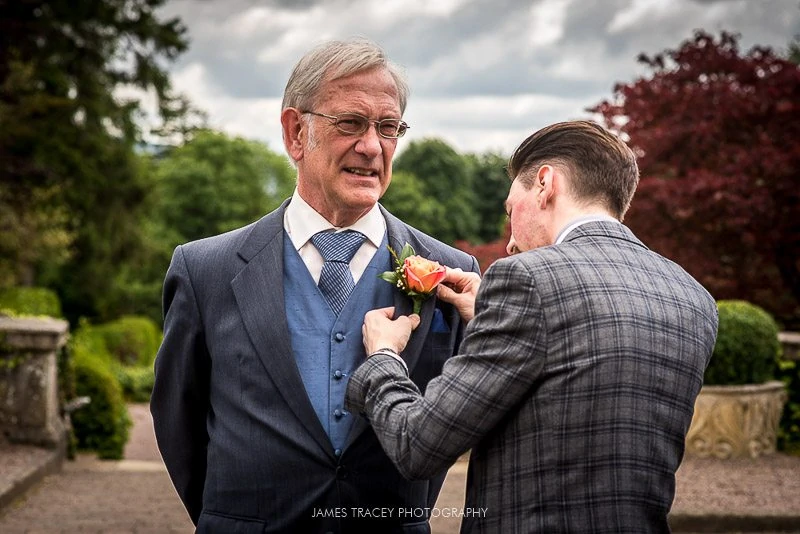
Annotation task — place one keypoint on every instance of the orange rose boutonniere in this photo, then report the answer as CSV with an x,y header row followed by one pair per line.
x,y
414,275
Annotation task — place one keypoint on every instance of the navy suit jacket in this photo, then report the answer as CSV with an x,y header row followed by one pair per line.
x,y
237,432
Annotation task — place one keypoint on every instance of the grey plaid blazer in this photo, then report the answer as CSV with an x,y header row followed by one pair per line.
x,y
574,387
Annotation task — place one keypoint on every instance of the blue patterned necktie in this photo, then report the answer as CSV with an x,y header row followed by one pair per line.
x,y
337,249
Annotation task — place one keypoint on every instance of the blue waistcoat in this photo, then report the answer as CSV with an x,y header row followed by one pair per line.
x,y
328,349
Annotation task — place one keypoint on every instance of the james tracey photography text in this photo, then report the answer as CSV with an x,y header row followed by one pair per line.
x,y
390,513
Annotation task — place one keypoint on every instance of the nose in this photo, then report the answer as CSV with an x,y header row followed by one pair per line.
x,y
511,248
369,143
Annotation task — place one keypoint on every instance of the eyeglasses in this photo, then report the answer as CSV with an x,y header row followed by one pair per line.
x,y
355,124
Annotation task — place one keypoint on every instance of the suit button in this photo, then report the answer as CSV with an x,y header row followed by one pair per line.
x,y
337,374
341,472
339,337
338,413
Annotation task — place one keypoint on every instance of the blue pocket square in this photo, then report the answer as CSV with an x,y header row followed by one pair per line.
x,y
438,325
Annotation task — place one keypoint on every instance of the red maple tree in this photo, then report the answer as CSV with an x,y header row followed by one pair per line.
x,y
717,133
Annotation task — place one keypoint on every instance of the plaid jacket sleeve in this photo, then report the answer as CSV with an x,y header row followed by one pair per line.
x,y
502,355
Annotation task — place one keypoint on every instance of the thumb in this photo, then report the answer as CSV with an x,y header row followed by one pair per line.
x,y
415,320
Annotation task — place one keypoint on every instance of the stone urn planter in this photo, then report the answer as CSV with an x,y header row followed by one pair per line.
x,y
739,408
736,421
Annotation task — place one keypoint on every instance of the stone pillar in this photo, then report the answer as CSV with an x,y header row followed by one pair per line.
x,y
791,345
29,402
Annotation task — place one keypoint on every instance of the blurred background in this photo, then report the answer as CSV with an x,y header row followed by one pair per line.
x,y
128,127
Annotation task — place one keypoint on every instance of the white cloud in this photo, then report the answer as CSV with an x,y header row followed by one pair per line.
x,y
476,124
484,73
639,10
393,10
547,22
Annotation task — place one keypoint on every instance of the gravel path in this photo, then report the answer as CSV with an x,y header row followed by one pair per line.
x,y
135,495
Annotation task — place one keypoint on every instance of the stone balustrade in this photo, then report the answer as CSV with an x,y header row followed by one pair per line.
x,y
29,403
791,345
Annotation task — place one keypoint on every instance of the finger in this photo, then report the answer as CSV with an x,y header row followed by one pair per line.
x,y
453,276
415,320
446,294
384,312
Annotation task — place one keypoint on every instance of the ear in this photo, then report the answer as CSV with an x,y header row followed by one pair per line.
x,y
546,182
293,132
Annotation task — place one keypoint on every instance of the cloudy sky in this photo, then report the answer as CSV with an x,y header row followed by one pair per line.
x,y
484,74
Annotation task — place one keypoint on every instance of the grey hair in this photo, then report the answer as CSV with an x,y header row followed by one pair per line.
x,y
337,59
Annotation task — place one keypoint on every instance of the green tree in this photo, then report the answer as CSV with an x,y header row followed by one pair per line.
x,y
491,185
406,198
215,183
211,184
67,137
446,179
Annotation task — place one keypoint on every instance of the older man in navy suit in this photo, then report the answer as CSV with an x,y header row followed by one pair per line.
x,y
263,326
576,381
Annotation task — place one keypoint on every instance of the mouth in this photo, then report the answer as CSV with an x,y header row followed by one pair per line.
x,y
360,171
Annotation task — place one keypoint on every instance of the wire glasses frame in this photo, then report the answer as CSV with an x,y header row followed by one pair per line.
x,y
355,124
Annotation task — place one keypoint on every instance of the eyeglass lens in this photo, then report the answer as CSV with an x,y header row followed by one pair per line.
x,y
355,124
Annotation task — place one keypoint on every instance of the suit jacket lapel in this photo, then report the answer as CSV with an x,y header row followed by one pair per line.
x,y
258,289
398,235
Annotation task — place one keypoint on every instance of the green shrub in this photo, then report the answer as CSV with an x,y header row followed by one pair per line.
x,y
747,347
789,433
136,382
104,424
132,340
30,301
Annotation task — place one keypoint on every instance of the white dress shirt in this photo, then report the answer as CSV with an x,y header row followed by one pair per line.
x,y
301,222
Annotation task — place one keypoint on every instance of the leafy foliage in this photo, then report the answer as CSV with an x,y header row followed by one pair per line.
x,y
718,138
406,198
215,183
491,184
789,433
30,301
131,340
447,181
104,424
747,347
71,187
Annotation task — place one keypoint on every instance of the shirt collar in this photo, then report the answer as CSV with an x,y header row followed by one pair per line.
x,y
574,223
302,221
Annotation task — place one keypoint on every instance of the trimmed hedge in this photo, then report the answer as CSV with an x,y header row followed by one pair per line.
x,y
137,382
30,301
132,340
747,348
104,424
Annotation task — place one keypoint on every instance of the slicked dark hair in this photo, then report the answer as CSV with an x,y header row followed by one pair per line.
x,y
601,167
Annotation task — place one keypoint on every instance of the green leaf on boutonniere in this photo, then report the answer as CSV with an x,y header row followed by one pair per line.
x,y
407,252
389,276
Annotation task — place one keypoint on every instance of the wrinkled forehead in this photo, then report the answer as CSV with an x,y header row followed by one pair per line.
x,y
375,84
